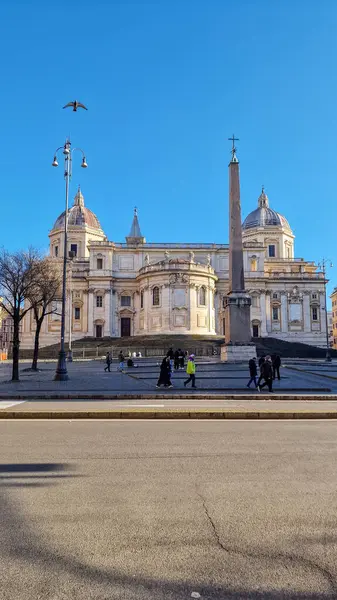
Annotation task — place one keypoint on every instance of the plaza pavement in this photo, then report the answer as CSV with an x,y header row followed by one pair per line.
x,y
90,377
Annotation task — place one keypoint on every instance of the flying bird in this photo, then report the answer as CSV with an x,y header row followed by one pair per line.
x,y
75,105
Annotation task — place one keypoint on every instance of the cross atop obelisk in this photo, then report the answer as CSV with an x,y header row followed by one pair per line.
x,y
233,139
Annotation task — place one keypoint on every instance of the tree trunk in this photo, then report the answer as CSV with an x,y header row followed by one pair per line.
x,y
36,344
16,346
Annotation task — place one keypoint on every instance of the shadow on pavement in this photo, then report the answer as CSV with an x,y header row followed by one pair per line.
x,y
43,568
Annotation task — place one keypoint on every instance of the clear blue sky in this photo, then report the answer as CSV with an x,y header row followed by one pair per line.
x,y
166,82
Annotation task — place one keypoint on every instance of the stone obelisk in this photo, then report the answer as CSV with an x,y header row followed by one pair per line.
x,y
238,344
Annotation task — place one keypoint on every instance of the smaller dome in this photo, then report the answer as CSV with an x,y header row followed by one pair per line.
x,y
264,216
78,215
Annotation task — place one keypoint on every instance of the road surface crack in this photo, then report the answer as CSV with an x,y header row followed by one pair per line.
x,y
279,556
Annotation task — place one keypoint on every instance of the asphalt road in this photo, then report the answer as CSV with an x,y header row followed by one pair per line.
x,y
168,510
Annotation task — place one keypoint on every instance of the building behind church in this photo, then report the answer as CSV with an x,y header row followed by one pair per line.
x,y
134,288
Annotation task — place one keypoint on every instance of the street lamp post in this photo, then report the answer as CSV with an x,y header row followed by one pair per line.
x,y
61,373
70,352
322,265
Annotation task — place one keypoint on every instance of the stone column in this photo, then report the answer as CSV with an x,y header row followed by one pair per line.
x,y
210,303
306,312
107,313
284,312
90,313
268,312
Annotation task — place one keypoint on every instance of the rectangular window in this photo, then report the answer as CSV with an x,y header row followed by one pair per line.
x,y
100,263
99,301
275,295
314,313
142,299
77,313
275,313
271,250
126,301
73,249
314,296
56,251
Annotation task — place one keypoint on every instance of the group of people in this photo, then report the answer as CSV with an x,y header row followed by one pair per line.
x,y
176,360
269,370
121,360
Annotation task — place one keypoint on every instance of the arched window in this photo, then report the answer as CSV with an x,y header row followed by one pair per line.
x,y
202,296
155,296
142,299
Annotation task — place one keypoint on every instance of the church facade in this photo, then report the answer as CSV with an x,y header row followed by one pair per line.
x,y
140,288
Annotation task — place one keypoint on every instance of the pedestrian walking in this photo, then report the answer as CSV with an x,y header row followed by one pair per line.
x,y
165,372
108,361
267,374
121,361
261,361
176,360
276,366
170,355
252,372
190,370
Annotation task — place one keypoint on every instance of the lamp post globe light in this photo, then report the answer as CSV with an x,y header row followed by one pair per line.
x,y
323,265
61,373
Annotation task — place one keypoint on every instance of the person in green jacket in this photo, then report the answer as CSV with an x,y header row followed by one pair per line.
x,y
190,370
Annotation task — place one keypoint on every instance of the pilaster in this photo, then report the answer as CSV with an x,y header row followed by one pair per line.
x,y
306,313
284,312
90,312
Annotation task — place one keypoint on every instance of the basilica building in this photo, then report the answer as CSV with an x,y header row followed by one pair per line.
x,y
137,287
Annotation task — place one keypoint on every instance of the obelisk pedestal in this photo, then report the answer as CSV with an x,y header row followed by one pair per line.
x,y
238,346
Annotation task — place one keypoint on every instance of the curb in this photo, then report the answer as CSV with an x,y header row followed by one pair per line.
x,y
172,414
146,395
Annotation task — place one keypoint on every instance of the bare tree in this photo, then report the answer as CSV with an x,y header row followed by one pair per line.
x,y
18,273
45,291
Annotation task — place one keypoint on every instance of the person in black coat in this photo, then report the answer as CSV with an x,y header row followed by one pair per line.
x,y
252,371
276,366
165,372
261,361
267,374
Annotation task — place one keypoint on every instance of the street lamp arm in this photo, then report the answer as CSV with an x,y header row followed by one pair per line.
x,y
80,149
58,149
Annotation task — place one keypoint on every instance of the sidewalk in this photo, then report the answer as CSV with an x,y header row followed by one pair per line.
x,y
171,409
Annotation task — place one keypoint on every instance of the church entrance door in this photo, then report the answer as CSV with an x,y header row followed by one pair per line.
x,y
99,331
125,327
256,331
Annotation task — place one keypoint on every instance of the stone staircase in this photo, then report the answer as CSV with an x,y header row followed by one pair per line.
x,y
155,346
271,345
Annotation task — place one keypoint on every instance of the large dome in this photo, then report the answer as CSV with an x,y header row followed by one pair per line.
x,y
264,216
78,215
